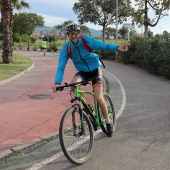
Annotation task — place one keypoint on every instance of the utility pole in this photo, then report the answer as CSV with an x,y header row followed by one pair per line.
x,y
116,21
116,26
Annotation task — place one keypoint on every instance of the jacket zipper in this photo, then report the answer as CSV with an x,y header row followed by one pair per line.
x,y
83,59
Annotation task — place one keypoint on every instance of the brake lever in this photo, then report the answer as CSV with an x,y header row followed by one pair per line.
x,y
66,83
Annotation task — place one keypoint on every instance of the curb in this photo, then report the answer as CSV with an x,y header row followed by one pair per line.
x,y
17,75
23,146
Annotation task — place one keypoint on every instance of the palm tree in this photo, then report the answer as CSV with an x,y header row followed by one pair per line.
x,y
6,8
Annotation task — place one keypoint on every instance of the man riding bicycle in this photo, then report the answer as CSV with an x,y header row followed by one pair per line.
x,y
86,63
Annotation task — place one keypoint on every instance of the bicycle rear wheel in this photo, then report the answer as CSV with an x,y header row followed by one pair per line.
x,y
111,113
77,146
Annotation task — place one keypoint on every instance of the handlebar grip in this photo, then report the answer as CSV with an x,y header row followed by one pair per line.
x,y
59,88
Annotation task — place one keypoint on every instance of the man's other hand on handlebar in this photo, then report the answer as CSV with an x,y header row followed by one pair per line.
x,y
54,88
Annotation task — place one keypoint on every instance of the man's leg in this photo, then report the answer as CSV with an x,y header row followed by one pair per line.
x,y
98,95
76,79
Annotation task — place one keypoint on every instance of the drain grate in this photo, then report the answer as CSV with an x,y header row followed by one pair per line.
x,y
41,96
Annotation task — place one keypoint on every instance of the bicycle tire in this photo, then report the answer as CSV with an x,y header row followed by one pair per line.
x,y
111,111
70,141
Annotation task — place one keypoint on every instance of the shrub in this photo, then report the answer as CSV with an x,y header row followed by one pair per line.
x,y
35,48
49,49
0,44
151,54
106,55
53,46
164,60
32,40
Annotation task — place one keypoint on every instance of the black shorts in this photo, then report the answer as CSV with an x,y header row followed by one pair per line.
x,y
97,73
43,48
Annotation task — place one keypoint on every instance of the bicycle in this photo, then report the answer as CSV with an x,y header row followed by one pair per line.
x,y
77,123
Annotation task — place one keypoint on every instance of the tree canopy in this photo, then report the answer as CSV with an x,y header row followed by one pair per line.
x,y
123,31
110,32
101,12
19,4
140,15
25,23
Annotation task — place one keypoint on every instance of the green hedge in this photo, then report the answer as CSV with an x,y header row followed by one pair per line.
x,y
109,55
150,54
53,46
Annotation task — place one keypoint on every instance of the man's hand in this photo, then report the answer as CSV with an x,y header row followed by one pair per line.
x,y
124,47
54,87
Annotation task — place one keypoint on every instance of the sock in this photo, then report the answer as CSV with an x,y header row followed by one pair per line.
x,y
108,122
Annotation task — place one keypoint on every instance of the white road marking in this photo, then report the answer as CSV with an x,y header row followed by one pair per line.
x,y
58,155
118,114
46,161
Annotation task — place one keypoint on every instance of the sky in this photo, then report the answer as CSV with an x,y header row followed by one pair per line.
x,y
56,12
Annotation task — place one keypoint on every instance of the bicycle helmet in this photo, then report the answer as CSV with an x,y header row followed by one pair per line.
x,y
72,27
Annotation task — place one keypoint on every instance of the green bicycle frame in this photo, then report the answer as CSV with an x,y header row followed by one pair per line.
x,y
77,94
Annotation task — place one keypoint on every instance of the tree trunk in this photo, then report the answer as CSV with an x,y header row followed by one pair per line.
x,y
103,33
6,12
20,42
11,26
28,48
146,20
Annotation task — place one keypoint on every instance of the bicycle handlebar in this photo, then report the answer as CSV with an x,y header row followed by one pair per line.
x,y
84,83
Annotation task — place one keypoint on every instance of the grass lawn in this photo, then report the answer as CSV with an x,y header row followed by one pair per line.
x,y
20,64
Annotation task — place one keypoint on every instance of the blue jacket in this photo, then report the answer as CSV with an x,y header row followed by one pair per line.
x,y
80,53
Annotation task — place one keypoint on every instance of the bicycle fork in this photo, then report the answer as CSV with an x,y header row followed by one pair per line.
x,y
78,130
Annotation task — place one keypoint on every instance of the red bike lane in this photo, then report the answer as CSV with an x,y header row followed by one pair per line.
x,y
29,110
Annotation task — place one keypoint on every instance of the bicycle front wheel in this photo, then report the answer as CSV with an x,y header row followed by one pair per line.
x,y
76,136
111,113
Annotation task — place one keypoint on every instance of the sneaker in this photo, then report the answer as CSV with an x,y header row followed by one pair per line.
x,y
109,128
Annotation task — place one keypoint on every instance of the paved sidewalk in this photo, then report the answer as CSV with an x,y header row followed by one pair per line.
x,y
29,109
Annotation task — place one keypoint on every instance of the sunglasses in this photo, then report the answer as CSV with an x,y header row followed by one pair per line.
x,y
70,34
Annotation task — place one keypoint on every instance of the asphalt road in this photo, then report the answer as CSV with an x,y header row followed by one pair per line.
x,y
142,137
